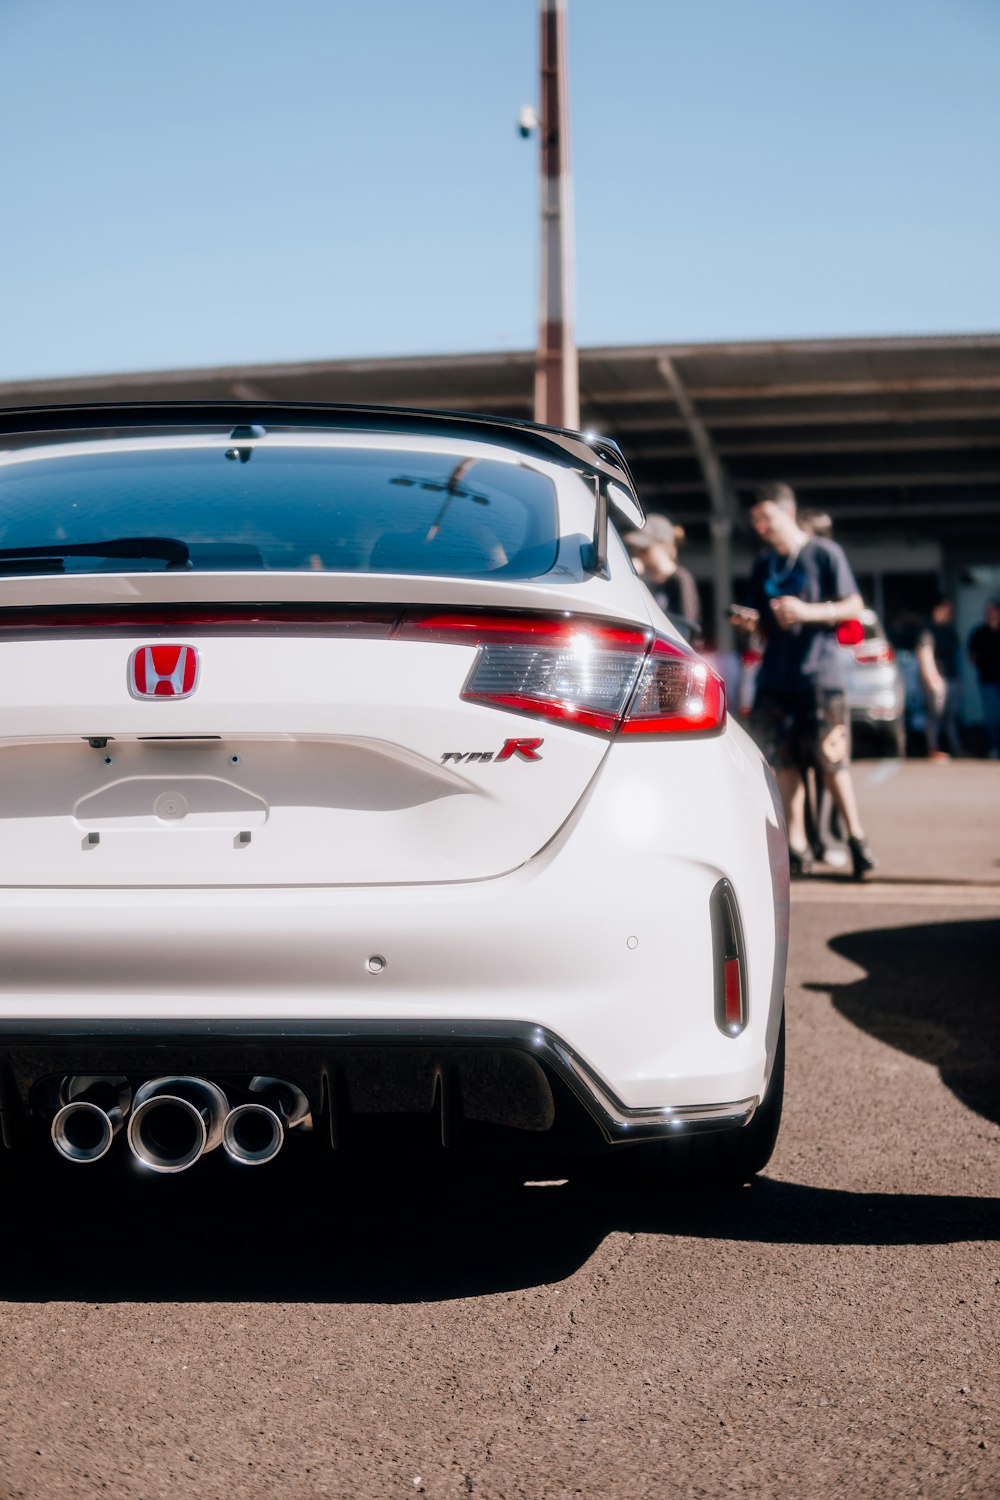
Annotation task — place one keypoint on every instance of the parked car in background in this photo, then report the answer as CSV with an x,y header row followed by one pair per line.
x,y
875,692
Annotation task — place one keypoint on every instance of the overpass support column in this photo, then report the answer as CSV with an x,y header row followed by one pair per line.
x,y
557,394
722,500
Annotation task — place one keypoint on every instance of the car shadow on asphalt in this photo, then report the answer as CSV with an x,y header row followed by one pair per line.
x,y
316,1236
931,991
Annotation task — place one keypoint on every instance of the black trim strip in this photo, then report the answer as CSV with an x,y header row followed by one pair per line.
x,y
618,1122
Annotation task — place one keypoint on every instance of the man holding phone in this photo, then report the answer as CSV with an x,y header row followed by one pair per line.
x,y
801,589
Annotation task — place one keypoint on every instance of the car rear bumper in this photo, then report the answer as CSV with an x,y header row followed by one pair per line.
x,y
596,957
500,1073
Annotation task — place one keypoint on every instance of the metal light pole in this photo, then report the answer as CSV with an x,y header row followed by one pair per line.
x,y
557,397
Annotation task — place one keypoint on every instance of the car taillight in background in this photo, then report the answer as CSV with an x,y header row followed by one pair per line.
x,y
873,652
603,677
869,652
850,633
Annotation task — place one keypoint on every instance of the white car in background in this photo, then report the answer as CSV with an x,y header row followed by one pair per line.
x,y
356,791
876,697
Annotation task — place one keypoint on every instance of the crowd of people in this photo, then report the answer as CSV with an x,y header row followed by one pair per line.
x,y
802,589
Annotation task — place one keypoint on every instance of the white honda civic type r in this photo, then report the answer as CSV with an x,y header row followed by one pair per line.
x,y
355,789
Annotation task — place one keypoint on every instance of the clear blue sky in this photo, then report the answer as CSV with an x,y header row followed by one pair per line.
x,y
242,181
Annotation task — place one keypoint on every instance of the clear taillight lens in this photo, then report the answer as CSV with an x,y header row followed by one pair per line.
x,y
580,679
594,676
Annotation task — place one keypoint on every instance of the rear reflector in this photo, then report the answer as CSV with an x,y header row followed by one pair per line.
x,y
729,960
588,674
734,994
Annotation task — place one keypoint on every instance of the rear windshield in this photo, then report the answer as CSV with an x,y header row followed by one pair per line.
x,y
325,509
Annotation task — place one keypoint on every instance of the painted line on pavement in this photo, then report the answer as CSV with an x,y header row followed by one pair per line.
x,y
885,893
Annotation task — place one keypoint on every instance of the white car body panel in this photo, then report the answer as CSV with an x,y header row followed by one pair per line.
x,y
547,944
352,790
242,854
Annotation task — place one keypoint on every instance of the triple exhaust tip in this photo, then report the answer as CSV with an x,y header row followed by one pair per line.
x,y
252,1134
175,1121
82,1131
93,1110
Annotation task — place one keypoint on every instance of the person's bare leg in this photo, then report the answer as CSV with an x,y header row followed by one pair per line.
x,y
793,797
815,788
842,791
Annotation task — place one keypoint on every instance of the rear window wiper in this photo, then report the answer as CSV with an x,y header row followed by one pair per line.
x,y
34,559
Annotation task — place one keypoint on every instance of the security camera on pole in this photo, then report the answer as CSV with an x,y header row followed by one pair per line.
x,y
557,399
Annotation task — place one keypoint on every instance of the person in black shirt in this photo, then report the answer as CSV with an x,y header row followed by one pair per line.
x,y
984,654
654,552
939,658
801,589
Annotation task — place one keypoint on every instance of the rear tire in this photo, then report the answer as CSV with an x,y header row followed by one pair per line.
x,y
728,1158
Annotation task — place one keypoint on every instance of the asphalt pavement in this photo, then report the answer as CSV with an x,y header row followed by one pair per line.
x,y
830,1330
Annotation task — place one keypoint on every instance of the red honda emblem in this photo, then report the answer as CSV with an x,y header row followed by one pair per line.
x,y
162,671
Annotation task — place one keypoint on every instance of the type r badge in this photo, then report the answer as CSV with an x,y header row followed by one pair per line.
x,y
523,749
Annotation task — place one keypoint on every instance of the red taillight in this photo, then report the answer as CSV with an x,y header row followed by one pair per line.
x,y
678,694
581,672
874,652
578,671
476,629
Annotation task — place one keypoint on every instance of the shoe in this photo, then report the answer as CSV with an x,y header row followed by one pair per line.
x,y
940,756
862,858
800,862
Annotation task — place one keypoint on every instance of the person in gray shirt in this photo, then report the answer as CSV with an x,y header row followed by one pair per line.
x,y
801,589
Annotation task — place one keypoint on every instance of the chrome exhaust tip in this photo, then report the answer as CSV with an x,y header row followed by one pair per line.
x,y
175,1121
82,1131
253,1134
167,1134
92,1110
